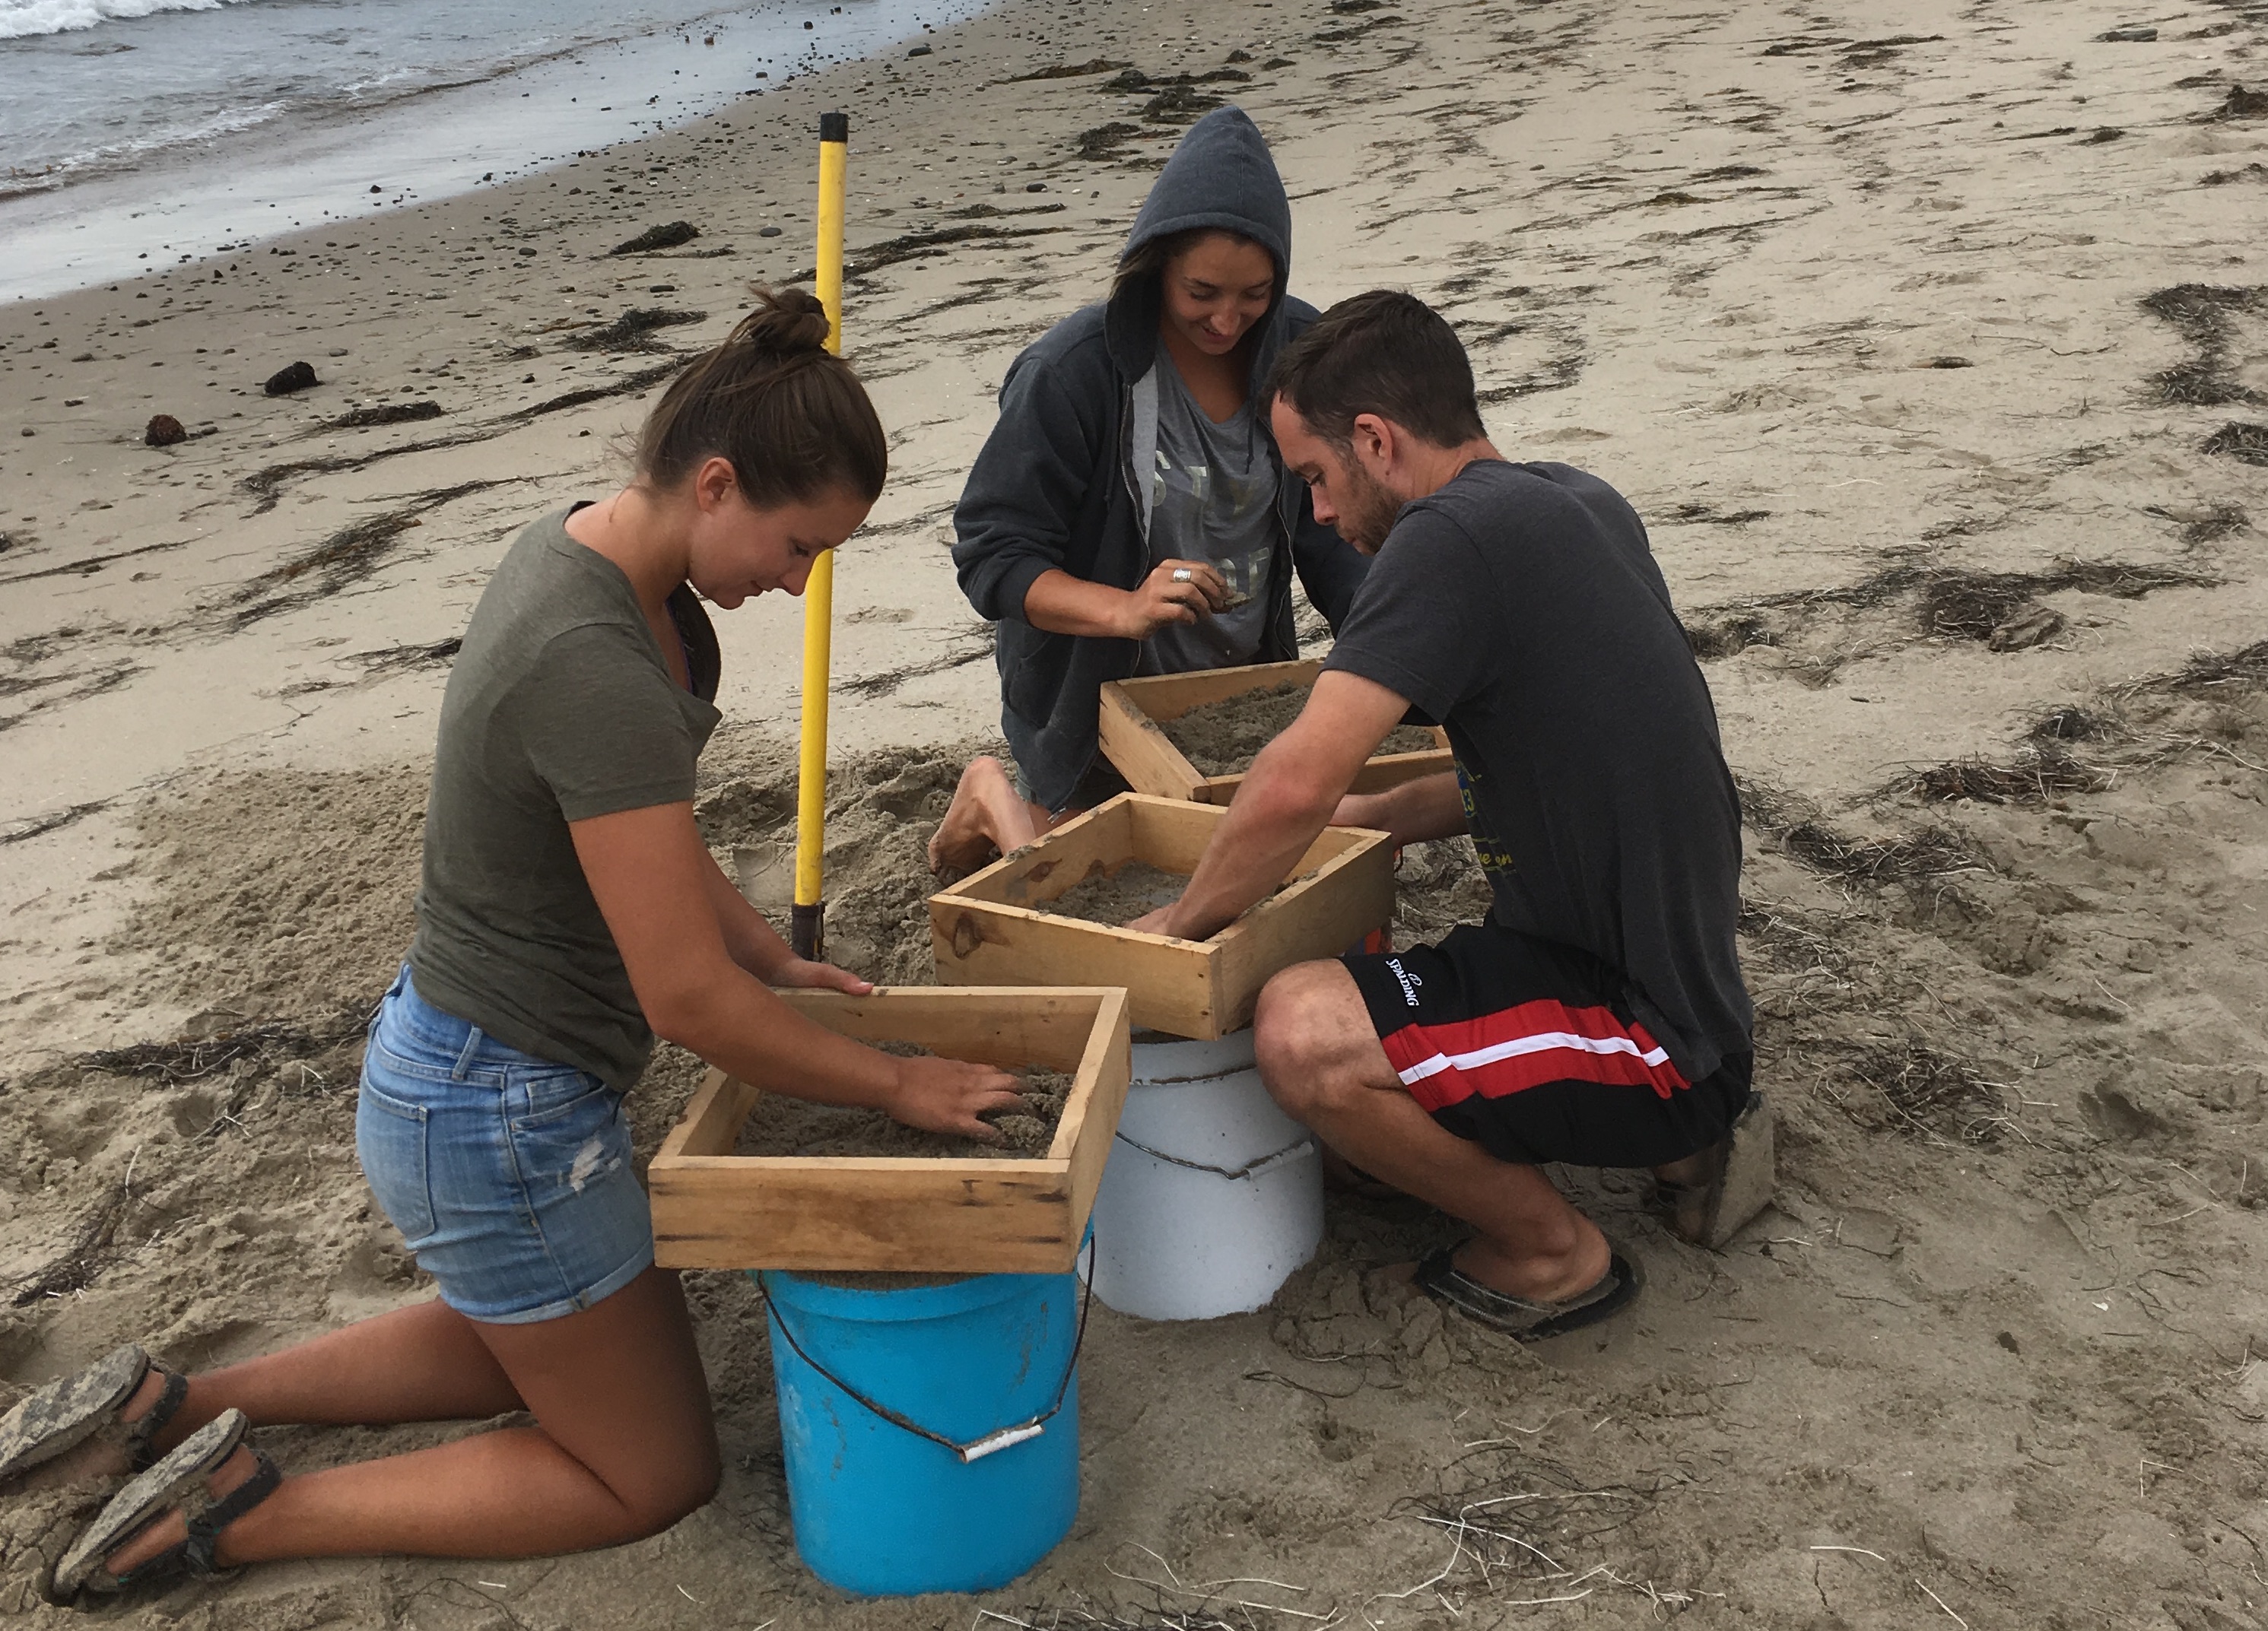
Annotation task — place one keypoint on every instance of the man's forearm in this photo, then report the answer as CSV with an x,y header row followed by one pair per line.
x,y
1266,831
1432,806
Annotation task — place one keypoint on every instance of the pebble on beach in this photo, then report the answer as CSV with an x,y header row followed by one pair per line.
x,y
164,430
284,381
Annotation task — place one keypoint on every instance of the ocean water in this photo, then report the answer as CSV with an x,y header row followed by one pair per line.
x,y
141,132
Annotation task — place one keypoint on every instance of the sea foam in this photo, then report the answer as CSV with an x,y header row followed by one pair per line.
x,y
20,20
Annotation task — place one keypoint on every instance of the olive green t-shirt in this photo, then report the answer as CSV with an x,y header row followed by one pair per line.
x,y
559,708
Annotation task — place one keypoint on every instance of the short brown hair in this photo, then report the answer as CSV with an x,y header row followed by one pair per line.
x,y
1386,353
790,416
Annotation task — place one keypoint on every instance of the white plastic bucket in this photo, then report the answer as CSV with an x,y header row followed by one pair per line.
x,y
1212,1196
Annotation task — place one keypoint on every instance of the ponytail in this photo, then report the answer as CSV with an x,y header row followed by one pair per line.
x,y
791,417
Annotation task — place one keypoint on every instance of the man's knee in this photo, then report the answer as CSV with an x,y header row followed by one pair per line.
x,y
1303,1029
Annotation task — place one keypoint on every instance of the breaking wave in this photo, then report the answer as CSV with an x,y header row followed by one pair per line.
x,y
21,19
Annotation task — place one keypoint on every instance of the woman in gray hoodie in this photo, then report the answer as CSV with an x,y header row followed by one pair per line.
x,y
1129,513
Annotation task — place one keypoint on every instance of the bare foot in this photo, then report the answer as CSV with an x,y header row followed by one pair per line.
x,y
171,1528
97,1457
1539,1276
985,819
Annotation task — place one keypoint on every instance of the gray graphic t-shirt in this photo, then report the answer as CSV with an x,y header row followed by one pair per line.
x,y
1213,498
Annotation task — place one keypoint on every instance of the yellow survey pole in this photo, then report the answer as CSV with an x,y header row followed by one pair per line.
x,y
808,932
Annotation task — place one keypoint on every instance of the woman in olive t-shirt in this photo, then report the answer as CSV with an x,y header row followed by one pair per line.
x,y
570,911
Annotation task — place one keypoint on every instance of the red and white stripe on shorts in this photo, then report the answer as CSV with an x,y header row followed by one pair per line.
x,y
1523,1046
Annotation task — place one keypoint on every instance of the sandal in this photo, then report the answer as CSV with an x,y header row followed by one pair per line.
x,y
64,1415
1738,1184
1439,1278
178,1481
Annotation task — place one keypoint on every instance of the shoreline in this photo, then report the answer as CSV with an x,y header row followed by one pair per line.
x,y
314,167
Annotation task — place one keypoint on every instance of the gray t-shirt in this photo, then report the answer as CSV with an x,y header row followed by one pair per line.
x,y
1519,606
559,708
1213,498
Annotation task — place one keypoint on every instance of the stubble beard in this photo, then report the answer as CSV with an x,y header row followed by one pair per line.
x,y
1369,510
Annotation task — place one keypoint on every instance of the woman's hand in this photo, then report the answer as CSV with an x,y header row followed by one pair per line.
x,y
1175,591
802,972
949,1095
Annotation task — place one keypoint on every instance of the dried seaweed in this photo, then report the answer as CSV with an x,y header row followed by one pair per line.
x,y
1922,1090
1106,141
1523,1515
1066,71
345,558
267,482
927,245
2037,776
402,658
2210,672
1778,937
2203,314
384,414
2238,440
667,235
1927,853
2217,521
2074,723
191,1059
629,385
91,1251
1932,852
1728,636
629,331
1973,605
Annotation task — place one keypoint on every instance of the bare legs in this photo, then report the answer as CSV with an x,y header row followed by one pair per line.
x,y
1322,1062
987,815
624,1443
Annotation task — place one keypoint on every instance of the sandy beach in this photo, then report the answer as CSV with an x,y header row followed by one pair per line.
x,y
1934,355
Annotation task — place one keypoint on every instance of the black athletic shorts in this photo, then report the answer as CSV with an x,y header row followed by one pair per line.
x,y
1529,1050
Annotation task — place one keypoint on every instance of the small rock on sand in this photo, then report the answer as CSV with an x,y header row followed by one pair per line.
x,y
164,430
284,381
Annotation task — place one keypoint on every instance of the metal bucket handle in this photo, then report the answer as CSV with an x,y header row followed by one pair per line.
x,y
975,1449
1251,1169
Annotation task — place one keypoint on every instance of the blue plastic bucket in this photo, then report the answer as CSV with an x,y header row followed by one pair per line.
x,y
880,1509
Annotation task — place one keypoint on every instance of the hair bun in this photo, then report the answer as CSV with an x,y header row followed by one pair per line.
x,y
786,323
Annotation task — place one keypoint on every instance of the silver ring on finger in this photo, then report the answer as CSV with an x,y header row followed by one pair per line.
x,y
1182,575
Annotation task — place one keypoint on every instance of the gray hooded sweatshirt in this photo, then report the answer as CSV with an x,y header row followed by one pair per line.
x,y
1062,481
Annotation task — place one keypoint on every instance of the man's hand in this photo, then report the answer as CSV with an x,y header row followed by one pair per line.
x,y
1294,787
1154,923
1175,591
801,971
949,1095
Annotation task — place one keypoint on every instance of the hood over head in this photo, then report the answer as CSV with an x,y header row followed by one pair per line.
x,y
1221,175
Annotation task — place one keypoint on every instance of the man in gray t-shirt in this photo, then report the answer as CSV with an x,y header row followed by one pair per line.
x,y
1213,498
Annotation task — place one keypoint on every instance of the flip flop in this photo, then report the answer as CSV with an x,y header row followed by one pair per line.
x,y
65,1413
1439,1277
178,1481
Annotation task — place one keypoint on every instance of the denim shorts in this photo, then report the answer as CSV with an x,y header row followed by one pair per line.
x,y
508,1175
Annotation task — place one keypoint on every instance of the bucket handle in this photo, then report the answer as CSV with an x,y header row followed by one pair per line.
x,y
1251,1169
975,1449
